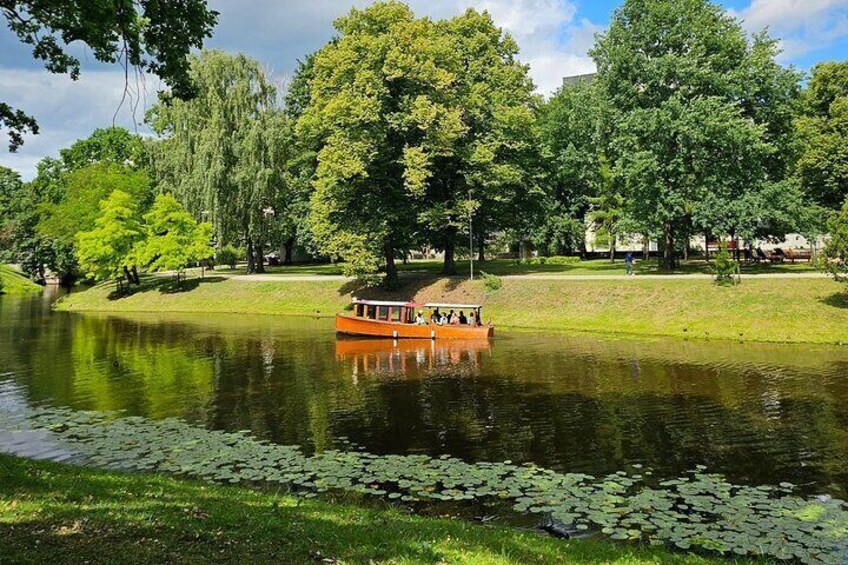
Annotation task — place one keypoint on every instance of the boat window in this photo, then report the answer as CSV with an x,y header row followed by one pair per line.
x,y
372,312
396,314
360,310
383,313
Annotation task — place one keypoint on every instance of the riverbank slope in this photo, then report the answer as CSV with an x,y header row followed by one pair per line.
x,y
783,310
12,282
89,516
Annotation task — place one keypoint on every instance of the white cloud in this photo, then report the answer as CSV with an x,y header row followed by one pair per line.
x,y
67,110
277,33
801,25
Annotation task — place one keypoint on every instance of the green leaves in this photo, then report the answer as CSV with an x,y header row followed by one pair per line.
x,y
106,250
699,510
835,256
174,240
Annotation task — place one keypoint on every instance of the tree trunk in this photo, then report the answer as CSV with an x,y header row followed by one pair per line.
x,y
289,248
128,275
259,258
481,251
686,250
669,254
391,268
707,247
449,267
251,265
612,250
646,247
136,278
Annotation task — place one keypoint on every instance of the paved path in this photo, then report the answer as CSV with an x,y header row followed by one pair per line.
x,y
537,277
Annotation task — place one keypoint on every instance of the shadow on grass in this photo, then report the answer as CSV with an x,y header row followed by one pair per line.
x,y
836,300
165,285
89,516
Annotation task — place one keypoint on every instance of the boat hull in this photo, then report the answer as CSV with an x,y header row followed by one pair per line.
x,y
350,325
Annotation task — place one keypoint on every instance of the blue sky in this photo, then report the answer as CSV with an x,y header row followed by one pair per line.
x,y
554,36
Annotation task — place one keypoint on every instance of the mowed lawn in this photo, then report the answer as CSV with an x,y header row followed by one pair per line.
x,y
16,283
56,513
771,310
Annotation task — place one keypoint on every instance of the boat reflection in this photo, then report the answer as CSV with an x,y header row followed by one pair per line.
x,y
411,359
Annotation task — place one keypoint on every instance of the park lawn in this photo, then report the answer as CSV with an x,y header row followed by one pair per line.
x,y
51,511
505,267
766,310
16,283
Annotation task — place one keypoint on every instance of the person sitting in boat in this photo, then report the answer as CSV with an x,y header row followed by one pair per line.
x,y
419,319
454,319
443,319
436,317
463,320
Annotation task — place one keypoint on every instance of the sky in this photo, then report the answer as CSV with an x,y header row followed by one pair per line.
x,y
554,36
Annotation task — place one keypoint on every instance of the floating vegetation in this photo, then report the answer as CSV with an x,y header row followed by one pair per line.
x,y
700,511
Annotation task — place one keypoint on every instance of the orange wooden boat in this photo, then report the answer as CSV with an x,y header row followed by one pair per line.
x,y
397,320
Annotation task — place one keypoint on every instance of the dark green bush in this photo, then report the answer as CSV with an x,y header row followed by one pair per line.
x,y
725,268
491,283
227,256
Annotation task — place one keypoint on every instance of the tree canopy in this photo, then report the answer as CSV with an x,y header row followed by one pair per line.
x,y
106,252
415,123
151,35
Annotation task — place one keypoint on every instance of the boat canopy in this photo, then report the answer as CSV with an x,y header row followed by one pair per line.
x,y
386,303
454,306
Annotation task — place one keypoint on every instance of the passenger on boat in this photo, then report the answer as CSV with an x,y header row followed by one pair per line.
x,y
462,319
434,316
419,319
443,320
454,319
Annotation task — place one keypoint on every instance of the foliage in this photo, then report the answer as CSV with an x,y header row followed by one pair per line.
x,y
491,283
700,119
85,188
725,268
823,135
106,251
227,255
835,255
607,209
700,510
440,119
149,35
173,239
224,153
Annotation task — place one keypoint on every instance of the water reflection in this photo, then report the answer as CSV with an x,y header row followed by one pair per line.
x,y
760,413
411,359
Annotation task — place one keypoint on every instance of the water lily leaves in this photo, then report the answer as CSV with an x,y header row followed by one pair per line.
x,y
700,510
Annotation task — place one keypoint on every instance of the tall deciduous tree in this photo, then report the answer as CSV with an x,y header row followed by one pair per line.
x,y
823,133
223,152
151,35
835,256
416,122
700,113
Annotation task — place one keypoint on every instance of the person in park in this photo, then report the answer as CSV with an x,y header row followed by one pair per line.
x,y
629,259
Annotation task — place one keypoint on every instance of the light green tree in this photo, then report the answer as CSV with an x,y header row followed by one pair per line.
x,y
106,252
700,114
173,239
607,209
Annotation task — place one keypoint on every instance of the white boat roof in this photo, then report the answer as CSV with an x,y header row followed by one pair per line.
x,y
382,303
454,306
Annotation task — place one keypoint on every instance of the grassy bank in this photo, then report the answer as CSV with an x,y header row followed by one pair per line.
x,y
12,282
48,510
768,310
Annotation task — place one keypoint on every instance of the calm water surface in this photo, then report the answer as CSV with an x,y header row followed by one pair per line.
x,y
759,413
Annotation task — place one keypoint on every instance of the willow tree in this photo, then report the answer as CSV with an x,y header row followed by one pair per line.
x,y
222,152
700,114
417,123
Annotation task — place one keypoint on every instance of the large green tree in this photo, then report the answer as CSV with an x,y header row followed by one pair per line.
x,y
416,123
151,35
700,116
835,255
224,152
823,135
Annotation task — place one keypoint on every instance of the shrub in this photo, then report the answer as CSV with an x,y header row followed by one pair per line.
x,y
491,283
227,256
562,260
725,268
834,258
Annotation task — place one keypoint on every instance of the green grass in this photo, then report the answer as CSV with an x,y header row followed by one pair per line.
x,y
767,310
16,283
504,267
50,511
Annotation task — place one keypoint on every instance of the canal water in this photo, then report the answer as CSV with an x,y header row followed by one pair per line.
x,y
755,412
